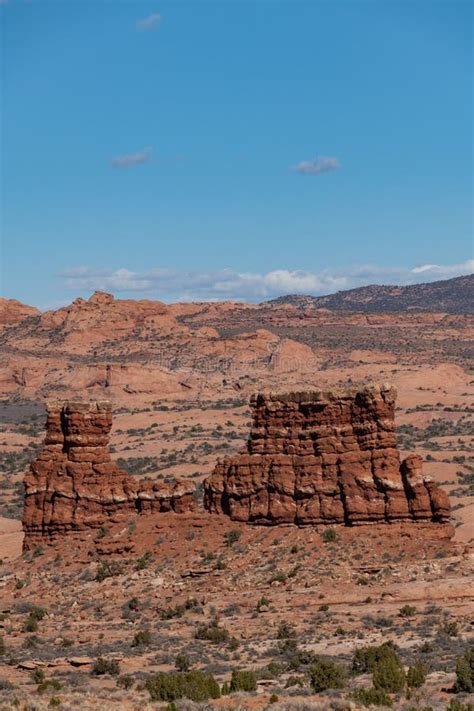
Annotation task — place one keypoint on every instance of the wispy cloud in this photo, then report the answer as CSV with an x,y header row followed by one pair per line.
x,y
177,285
321,164
150,22
130,159
441,271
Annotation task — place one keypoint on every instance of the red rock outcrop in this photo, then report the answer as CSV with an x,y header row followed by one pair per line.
x,y
324,458
13,312
74,485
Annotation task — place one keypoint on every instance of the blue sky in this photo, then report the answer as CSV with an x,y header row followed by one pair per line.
x,y
201,150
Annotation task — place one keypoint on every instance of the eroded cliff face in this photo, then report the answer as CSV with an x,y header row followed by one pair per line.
x,y
311,458
324,458
73,484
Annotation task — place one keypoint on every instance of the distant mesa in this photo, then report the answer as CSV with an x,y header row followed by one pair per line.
x,y
312,458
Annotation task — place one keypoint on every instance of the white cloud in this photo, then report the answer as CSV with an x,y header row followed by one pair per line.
x,y
440,271
150,22
176,285
130,159
321,164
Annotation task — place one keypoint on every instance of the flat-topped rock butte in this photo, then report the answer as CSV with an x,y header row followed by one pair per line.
x,y
312,458
324,458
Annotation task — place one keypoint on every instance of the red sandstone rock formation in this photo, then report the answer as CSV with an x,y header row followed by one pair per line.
x,y
323,457
13,312
74,485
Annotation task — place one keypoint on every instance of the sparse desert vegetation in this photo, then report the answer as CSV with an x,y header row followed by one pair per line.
x,y
147,612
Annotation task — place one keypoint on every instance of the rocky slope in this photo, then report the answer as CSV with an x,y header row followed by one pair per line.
x,y
450,296
13,312
122,349
135,351
324,458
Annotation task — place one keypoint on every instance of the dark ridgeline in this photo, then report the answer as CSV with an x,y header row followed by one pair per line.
x,y
448,296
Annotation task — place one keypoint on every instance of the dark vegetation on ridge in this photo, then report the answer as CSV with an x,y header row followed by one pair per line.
x,y
450,295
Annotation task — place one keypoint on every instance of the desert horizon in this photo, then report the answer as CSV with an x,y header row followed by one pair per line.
x,y
181,381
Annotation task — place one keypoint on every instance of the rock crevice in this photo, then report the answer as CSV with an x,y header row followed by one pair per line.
x,y
324,457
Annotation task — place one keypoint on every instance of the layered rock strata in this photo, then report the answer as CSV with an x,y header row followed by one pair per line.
x,y
324,458
74,485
